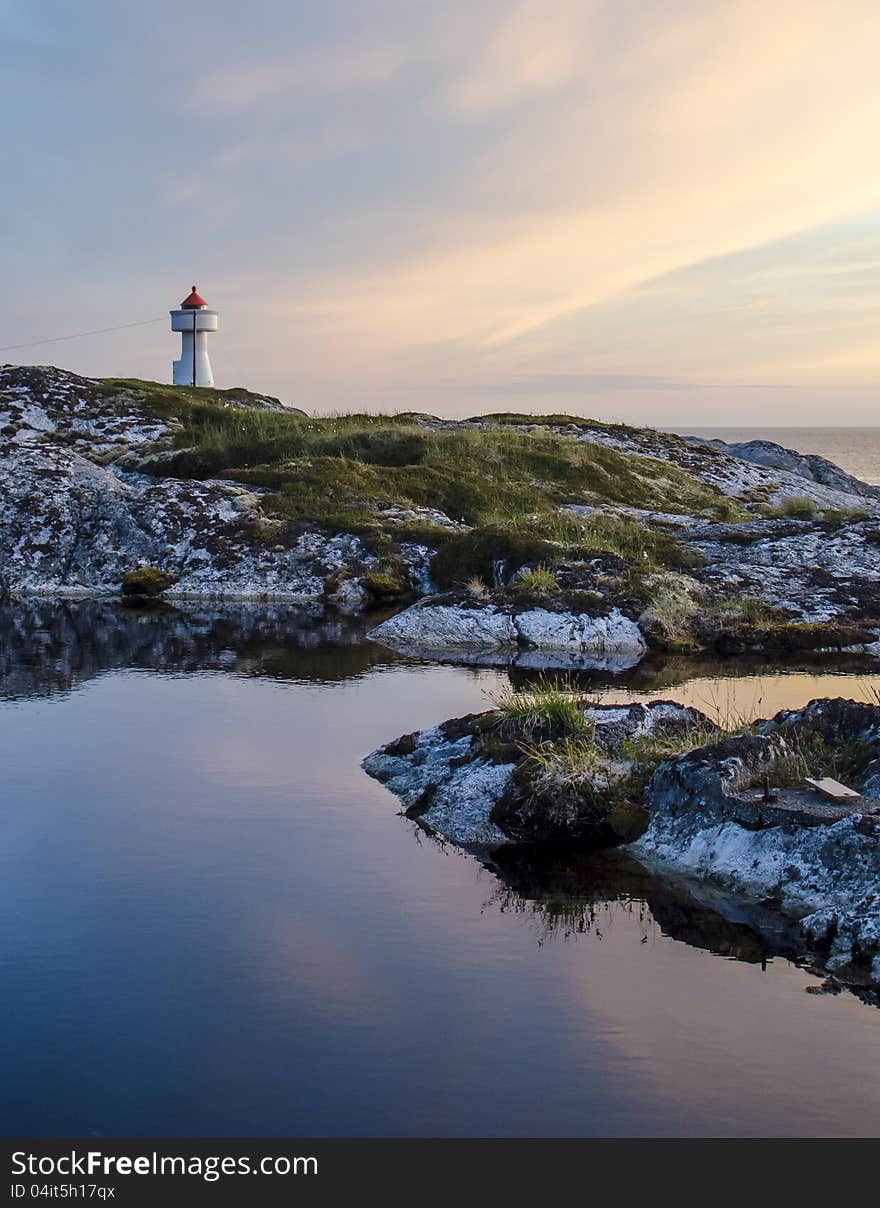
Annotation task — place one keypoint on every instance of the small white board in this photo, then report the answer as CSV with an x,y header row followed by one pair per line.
x,y
833,789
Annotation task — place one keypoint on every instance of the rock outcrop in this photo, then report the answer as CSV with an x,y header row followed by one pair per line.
x,y
469,781
77,511
735,814
819,861
612,641
441,780
808,466
88,493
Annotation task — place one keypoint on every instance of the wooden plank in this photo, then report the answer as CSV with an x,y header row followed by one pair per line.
x,y
833,789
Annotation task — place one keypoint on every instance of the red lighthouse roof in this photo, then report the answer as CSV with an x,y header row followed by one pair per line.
x,y
194,301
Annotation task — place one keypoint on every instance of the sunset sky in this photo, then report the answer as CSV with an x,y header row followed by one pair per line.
x,y
666,211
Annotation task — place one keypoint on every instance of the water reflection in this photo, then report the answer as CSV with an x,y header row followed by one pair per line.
x,y
568,892
48,647
213,923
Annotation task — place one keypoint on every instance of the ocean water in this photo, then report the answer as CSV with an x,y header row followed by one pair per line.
x,y
856,450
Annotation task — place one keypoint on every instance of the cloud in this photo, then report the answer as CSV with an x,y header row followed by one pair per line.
x,y
583,383
533,49
387,198
719,128
321,70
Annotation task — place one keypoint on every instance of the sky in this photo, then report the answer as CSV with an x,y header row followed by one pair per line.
x,y
662,211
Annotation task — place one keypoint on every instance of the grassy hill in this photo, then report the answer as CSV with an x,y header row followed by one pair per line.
x,y
345,472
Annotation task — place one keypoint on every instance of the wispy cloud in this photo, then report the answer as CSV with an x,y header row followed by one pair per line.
x,y
556,196
582,383
331,69
531,50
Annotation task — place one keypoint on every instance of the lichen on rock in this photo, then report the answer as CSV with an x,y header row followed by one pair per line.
x,y
711,817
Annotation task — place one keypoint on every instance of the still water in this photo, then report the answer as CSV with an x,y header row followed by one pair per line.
x,y
213,923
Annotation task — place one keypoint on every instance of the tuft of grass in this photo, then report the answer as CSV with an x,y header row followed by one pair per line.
x,y
626,537
676,602
548,707
571,763
802,507
837,517
656,747
476,588
741,610
794,507
540,580
806,753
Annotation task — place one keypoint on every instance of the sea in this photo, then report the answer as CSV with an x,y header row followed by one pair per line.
x,y
856,450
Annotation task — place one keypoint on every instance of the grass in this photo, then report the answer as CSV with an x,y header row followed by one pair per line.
x,y
518,419
539,581
569,763
545,541
656,747
807,753
676,602
802,507
476,589
545,732
795,507
335,469
550,707
165,402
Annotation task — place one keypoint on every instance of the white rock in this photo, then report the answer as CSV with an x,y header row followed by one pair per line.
x,y
442,626
462,797
577,631
349,597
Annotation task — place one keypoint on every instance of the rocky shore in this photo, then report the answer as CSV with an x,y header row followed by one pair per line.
x,y
82,502
230,495
733,812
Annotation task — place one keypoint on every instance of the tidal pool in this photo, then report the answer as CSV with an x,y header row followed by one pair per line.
x,y
214,923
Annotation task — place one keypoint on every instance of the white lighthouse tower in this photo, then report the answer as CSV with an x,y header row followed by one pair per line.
x,y
193,320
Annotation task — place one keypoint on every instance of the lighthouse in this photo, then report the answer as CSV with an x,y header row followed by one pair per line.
x,y
193,320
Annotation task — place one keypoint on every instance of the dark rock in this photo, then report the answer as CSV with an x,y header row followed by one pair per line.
x,y
405,745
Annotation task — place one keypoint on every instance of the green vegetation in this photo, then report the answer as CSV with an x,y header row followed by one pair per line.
x,y
569,764
807,753
795,507
550,708
344,472
146,583
383,586
683,615
533,587
561,536
545,727
519,419
662,744
675,603
167,402
802,507
840,516
476,589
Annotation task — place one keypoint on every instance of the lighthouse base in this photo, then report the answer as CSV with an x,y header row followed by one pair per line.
x,y
183,371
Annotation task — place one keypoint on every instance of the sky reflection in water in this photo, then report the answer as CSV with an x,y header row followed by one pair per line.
x,y
214,923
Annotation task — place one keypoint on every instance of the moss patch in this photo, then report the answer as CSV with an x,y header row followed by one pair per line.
x,y
146,583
